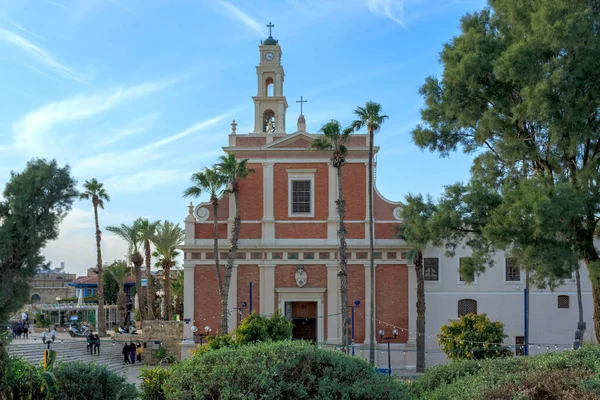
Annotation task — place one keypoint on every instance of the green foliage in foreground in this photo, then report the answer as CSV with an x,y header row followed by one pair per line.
x,y
473,337
557,375
279,370
71,380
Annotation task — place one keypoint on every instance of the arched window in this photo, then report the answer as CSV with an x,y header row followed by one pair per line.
x,y
269,121
563,301
269,86
467,306
36,298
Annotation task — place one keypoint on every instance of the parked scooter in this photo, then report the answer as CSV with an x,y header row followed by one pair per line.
x,y
78,330
128,331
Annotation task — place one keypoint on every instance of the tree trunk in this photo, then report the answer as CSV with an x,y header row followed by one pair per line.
x,y
343,274
420,312
167,290
590,257
151,292
101,320
137,260
223,297
235,232
122,303
371,251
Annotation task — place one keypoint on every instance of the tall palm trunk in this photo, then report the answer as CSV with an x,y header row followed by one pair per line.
x,y
235,233
420,312
343,274
122,303
101,320
137,260
371,251
168,300
215,204
150,290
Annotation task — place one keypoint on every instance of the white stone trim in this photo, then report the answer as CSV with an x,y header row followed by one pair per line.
x,y
301,175
267,289
300,290
188,299
519,282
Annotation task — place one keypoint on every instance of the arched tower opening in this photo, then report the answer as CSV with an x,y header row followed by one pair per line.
x,y
269,86
269,121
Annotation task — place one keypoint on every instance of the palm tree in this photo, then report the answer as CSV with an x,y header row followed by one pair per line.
x,y
212,182
146,231
177,288
234,172
334,140
120,272
369,116
130,234
95,191
168,236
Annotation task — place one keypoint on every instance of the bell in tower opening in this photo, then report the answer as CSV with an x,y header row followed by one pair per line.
x,y
269,121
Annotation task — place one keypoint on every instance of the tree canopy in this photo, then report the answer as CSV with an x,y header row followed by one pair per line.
x,y
520,92
35,202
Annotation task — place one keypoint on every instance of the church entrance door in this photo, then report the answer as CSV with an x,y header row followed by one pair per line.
x,y
304,318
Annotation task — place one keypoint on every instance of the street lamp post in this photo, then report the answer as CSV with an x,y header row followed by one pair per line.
x,y
207,330
241,308
356,305
389,338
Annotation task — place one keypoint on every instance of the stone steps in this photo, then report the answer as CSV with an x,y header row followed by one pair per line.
x,y
71,350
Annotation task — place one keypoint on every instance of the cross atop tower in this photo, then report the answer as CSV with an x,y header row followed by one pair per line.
x,y
270,26
301,101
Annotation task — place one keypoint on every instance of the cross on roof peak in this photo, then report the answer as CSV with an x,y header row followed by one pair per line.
x,y
301,101
270,26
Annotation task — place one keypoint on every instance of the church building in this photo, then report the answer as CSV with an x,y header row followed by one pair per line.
x,y
287,258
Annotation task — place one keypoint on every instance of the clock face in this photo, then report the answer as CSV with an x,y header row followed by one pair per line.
x,y
269,56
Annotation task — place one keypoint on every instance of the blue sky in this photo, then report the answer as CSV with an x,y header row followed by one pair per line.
x,y
139,94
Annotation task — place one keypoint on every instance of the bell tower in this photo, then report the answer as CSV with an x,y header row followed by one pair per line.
x,y
270,104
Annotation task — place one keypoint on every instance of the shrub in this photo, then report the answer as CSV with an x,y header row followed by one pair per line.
x,y
77,380
557,375
152,383
256,328
473,337
279,370
21,380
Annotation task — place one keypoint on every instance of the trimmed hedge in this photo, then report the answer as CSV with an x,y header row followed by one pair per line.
x,y
557,375
279,370
78,380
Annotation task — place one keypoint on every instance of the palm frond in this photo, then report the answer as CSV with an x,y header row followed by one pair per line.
x,y
129,234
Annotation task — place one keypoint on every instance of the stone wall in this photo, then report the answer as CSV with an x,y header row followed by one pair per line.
x,y
166,334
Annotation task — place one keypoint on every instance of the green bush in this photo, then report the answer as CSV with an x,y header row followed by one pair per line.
x,y
557,375
473,337
152,383
279,370
78,380
22,380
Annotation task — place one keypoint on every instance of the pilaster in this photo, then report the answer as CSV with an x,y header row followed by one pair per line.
x,y
188,299
267,289
367,203
257,118
410,357
268,221
367,309
332,219
334,319
280,117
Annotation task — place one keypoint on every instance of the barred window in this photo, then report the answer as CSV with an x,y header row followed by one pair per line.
x,y
512,272
563,301
432,269
467,306
301,197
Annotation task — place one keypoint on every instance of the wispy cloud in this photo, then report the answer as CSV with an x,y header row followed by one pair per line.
x,y
56,4
391,9
238,15
27,31
117,162
40,55
31,132
144,181
136,127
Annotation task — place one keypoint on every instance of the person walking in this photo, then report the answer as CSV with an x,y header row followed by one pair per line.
x,y
45,335
24,317
132,352
26,331
90,344
138,352
96,344
126,353
53,334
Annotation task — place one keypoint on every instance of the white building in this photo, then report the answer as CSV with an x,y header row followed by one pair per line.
x,y
499,293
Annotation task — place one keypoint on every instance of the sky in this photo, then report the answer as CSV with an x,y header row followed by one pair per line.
x,y
140,94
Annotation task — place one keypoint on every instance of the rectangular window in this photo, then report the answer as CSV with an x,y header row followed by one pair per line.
x,y
391,255
512,273
309,256
301,197
377,255
431,269
293,255
277,255
256,256
460,276
324,255
563,301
